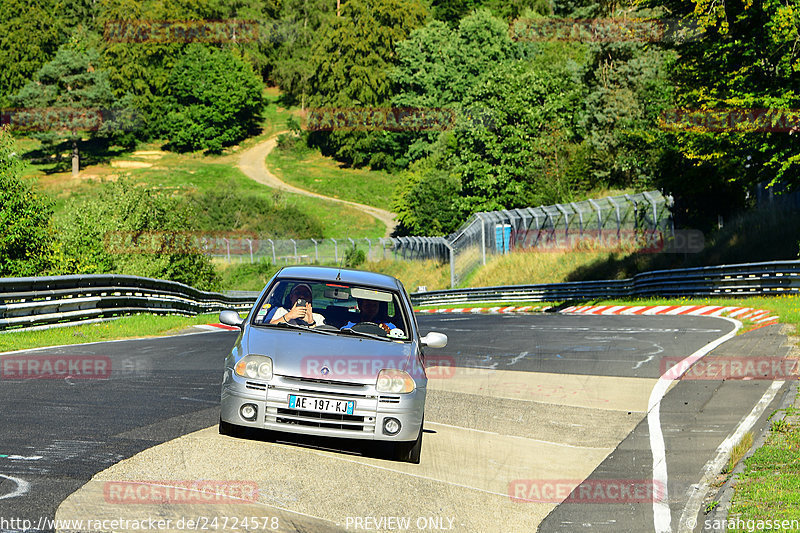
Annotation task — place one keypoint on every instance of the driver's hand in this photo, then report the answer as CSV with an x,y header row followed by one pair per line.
x,y
296,312
309,314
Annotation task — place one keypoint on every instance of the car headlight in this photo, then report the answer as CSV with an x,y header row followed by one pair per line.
x,y
394,380
254,367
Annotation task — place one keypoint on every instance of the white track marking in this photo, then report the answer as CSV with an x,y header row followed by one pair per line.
x,y
698,492
22,487
662,518
519,437
517,358
656,310
650,356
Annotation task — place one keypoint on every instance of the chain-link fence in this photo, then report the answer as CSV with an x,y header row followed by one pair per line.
x,y
245,248
606,222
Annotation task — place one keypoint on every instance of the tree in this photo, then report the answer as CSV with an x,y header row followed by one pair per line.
x,y
628,89
527,154
26,236
30,33
214,100
300,23
140,55
426,199
351,62
747,57
128,229
437,67
70,97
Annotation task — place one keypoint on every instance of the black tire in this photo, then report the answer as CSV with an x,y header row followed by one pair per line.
x,y
409,452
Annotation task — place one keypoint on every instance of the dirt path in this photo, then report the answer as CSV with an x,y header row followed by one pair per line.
x,y
253,163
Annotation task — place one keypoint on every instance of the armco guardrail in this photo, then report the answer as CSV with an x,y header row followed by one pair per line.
x,y
750,279
30,302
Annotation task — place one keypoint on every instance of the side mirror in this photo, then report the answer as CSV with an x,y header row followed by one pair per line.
x,y
434,340
231,318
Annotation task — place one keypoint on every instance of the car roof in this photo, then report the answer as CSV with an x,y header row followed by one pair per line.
x,y
344,275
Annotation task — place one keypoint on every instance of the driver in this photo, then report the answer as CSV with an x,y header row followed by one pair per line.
x,y
370,311
301,314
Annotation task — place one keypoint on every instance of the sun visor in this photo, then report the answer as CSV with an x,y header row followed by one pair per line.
x,y
369,294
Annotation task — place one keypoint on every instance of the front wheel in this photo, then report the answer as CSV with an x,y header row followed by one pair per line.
x,y
409,452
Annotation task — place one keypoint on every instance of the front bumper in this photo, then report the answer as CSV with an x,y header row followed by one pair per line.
x,y
371,408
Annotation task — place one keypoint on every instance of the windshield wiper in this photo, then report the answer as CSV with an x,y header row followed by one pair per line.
x,y
363,334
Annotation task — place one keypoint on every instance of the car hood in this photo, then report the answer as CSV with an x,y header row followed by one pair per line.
x,y
336,357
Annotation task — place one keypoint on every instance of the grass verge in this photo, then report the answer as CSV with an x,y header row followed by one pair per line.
x,y
310,170
122,328
769,487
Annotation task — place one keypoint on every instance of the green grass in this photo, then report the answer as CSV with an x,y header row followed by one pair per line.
x,y
533,266
198,174
308,169
121,328
740,450
769,487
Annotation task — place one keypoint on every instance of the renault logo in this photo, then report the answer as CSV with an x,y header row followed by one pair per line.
x,y
325,370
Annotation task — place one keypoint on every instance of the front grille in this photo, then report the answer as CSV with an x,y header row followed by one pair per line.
x,y
321,420
255,386
389,399
325,382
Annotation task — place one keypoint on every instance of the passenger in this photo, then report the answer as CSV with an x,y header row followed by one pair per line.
x,y
302,315
371,311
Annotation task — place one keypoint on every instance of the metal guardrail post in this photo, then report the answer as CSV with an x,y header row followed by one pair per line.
x,y
655,209
316,251
599,221
250,244
619,222
296,257
483,238
635,211
580,218
227,248
274,260
452,264
369,251
566,220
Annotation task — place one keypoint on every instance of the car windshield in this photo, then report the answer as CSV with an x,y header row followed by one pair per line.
x,y
334,307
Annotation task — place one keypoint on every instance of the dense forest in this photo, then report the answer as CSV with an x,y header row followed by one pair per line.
x,y
544,101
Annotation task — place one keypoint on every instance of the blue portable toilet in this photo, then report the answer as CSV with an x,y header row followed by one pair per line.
x,y
502,238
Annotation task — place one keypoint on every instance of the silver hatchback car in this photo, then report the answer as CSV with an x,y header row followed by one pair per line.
x,y
329,352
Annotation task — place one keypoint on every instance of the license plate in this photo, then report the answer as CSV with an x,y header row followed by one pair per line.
x,y
321,405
